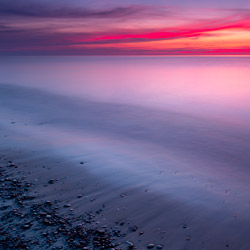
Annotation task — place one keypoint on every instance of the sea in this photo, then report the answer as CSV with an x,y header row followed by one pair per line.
x,y
179,126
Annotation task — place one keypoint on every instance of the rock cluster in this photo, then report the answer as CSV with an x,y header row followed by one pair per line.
x,y
26,223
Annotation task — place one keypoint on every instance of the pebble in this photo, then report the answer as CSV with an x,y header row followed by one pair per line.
x,y
11,165
159,247
48,203
41,215
150,246
133,228
130,244
101,231
27,225
67,205
51,181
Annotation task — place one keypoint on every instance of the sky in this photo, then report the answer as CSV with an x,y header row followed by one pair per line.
x,y
118,27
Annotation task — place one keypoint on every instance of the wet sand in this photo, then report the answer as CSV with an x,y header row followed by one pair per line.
x,y
101,177
51,202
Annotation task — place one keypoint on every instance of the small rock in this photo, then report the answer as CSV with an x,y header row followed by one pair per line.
x,y
150,246
159,247
27,225
4,207
133,228
51,181
11,165
130,244
67,205
101,231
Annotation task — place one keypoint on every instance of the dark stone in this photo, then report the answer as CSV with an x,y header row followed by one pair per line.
x,y
150,246
130,244
27,225
51,181
133,228
159,247
67,205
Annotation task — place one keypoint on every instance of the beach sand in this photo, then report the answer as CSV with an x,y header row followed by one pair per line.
x,y
50,200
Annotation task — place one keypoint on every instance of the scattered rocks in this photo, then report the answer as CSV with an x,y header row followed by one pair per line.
x,y
30,216
28,222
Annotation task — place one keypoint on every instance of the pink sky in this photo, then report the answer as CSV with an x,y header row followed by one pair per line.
x,y
113,27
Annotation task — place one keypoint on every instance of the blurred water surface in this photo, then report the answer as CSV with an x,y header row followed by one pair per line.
x,y
178,124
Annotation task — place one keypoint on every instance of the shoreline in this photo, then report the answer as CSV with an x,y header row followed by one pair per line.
x,y
50,207
133,209
31,221
61,193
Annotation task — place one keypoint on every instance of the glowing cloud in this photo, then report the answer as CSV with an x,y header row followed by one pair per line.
x,y
29,27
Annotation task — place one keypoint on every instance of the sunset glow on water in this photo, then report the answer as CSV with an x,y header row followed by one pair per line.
x,y
140,116
218,86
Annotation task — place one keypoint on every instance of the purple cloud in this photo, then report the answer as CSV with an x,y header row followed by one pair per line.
x,y
10,8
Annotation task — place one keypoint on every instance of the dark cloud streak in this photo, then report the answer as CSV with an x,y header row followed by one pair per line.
x,y
10,9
